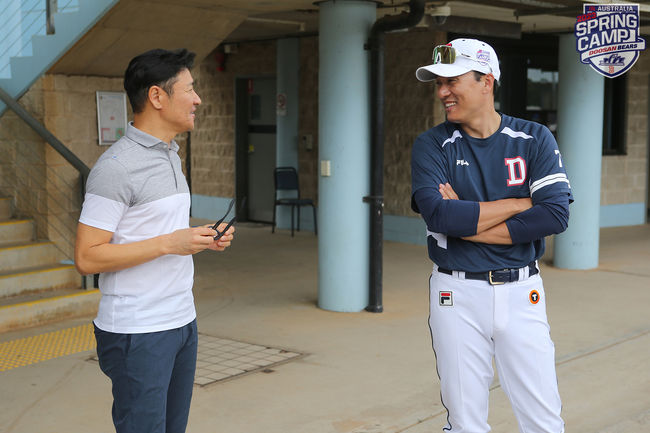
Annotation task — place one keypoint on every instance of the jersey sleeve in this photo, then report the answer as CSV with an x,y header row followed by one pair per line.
x,y
541,220
548,177
550,192
427,167
108,195
428,170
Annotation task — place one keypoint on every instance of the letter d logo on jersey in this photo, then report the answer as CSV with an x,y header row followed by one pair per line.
x,y
446,299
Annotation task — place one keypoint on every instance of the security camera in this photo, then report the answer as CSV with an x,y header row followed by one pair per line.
x,y
439,14
439,19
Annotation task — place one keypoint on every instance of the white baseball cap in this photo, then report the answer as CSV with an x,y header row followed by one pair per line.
x,y
459,57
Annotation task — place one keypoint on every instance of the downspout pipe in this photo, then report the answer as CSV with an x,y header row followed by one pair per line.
x,y
376,197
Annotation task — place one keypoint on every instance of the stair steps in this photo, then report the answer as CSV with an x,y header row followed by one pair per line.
x,y
58,305
38,279
15,230
17,256
36,284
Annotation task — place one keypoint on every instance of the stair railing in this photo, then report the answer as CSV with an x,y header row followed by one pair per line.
x,y
41,130
50,9
20,21
58,205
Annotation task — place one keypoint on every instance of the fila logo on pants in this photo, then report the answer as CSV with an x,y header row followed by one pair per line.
x,y
446,299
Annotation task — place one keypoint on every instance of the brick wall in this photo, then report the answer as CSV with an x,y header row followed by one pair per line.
x,y
22,167
624,177
213,138
411,108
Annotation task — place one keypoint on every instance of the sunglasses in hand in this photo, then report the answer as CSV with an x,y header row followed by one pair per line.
x,y
231,222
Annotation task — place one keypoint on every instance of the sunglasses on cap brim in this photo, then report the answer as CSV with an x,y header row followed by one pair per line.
x,y
446,55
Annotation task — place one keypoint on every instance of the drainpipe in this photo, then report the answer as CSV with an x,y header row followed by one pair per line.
x,y
376,197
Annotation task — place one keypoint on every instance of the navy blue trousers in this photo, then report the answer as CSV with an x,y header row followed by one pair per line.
x,y
152,375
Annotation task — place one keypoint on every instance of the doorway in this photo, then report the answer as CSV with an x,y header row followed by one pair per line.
x,y
255,145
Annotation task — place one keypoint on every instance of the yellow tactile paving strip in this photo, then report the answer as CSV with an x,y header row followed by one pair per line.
x,y
218,358
30,350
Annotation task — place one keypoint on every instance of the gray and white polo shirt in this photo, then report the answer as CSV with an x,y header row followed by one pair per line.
x,y
137,191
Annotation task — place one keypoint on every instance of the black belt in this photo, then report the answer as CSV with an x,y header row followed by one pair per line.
x,y
500,276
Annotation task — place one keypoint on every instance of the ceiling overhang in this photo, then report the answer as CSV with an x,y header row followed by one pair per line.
x,y
134,26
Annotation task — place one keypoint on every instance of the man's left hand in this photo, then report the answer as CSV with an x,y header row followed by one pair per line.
x,y
225,240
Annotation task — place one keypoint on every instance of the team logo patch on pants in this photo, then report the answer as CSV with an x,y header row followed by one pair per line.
x,y
533,296
446,299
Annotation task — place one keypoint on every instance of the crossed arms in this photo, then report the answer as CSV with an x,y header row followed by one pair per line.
x,y
506,221
491,227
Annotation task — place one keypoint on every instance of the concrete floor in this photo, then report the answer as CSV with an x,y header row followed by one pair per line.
x,y
364,372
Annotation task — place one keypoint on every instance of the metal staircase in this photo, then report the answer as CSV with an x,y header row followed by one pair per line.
x,y
31,40
38,282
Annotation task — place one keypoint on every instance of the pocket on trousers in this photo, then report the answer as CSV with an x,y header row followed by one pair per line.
x,y
112,349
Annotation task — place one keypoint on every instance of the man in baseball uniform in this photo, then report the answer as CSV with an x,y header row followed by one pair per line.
x,y
490,187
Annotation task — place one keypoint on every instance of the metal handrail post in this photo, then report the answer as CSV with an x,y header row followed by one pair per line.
x,y
51,7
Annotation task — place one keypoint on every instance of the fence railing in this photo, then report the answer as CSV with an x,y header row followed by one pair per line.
x,y
50,192
20,20
49,195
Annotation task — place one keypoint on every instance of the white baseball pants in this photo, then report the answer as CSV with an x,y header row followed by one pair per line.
x,y
472,321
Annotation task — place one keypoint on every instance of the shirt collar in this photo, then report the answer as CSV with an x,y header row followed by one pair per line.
x,y
147,140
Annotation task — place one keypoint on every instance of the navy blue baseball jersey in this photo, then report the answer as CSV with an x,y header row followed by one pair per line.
x,y
520,160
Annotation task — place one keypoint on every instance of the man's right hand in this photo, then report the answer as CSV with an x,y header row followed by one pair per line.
x,y
447,192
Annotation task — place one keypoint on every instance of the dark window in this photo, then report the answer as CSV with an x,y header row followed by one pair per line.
x,y
614,116
529,86
541,97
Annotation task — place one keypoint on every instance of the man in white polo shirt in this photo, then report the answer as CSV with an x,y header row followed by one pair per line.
x,y
134,231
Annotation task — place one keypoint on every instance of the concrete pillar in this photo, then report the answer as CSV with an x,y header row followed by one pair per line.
x,y
344,150
580,138
288,71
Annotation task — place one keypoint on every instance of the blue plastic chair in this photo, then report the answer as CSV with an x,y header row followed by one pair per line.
x,y
286,179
